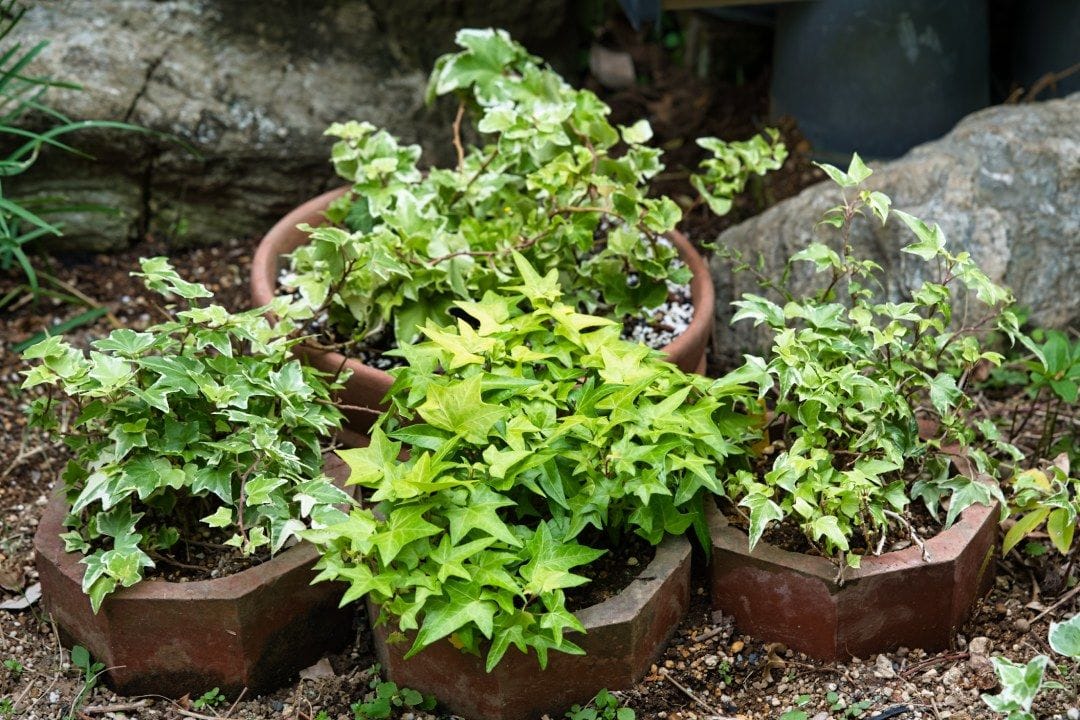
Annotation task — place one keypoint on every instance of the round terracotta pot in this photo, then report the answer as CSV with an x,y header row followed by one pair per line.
x,y
255,629
624,636
892,600
367,386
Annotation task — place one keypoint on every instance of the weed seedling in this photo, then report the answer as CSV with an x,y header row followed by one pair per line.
x,y
80,658
605,706
210,698
387,696
14,667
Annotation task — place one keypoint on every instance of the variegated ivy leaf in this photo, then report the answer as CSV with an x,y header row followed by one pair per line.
x,y
552,179
207,407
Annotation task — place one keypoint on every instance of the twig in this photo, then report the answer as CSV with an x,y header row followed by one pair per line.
x,y
1061,601
91,302
709,635
21,458
176,563
236,701
698,701
116,707
199,716
947,657
457,136
911,531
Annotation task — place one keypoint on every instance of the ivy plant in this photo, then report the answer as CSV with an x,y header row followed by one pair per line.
x,y
850,375
1022,683
528,429
203,420
553,180
1047,498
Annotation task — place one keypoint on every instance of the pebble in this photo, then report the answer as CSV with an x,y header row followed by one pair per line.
x,y
979,646
737,647
1022,624
711,661
1073,713
952,676
883,668
632,562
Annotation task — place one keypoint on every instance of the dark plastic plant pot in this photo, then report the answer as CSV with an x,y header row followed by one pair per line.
x,y
367,386
879,77
893,600
625,634
255,629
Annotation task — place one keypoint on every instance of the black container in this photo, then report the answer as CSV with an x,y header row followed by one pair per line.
x,y
1047,41
879,77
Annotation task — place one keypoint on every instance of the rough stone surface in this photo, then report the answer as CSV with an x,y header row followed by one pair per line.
x,y
1004,185
249,87
625,634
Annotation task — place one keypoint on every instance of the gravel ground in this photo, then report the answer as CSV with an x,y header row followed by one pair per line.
x,y
710,670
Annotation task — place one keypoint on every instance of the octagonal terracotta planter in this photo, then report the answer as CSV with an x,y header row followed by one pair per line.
x,y
893,600
255,629
367,386
625,634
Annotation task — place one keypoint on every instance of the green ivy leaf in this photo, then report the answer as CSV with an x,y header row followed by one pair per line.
x,y
461,410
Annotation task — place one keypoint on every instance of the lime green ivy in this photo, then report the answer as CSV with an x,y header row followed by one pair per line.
x,y
204,419
553,180
528,427
1045,498
850,375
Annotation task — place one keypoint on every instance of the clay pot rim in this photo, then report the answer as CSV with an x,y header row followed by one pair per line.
x,y
944,547
282,239
629,602
49,546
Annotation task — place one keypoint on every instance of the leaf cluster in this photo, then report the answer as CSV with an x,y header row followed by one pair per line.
x,y
1021,683
605,706
526,428
849,376
385,696
201,420
1044,498
553,180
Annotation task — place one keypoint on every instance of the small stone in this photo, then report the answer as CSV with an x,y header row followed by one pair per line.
x,y
979,646
632,562
775,702
1022,624
669,664
737,647
711,661
883,668
1073,713
952,677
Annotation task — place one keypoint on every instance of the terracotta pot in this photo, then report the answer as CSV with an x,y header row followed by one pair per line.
x,y
893,600
255,629
625,634
367,386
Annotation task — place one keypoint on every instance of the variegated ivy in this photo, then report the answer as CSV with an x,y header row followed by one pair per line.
x,y
850,374
522,430
202,419
554,180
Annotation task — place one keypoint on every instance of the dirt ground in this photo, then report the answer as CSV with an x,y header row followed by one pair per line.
x,y
710,669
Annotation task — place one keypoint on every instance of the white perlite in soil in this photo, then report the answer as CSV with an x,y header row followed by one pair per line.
x,y
659,326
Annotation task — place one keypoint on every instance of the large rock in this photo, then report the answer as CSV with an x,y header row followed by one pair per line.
x,y
249,88
1004,185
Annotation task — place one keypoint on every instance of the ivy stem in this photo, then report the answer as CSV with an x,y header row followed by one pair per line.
x,y
458,147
